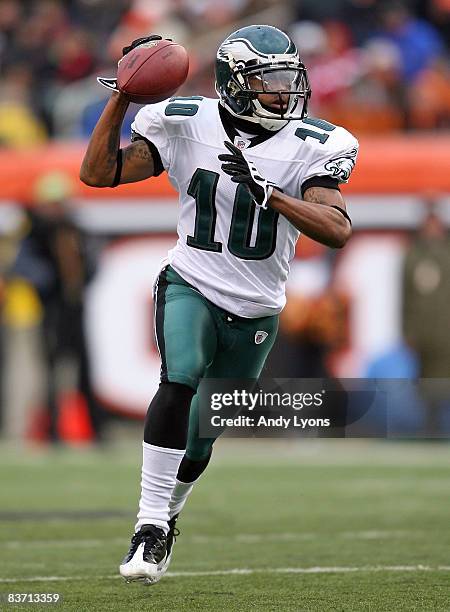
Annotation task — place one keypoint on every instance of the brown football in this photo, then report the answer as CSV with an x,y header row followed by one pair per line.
x,y
153,72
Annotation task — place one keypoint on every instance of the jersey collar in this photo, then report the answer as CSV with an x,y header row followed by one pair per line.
x,y
232,124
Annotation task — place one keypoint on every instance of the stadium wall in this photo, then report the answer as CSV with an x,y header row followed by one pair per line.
x,y
385,198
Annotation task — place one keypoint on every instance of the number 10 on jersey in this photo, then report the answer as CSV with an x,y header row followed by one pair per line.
x,y
202,188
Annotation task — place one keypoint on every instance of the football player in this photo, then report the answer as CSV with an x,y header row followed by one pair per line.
x,y
253,172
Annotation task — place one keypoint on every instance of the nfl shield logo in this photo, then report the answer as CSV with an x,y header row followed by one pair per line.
x,y
241,143
260,336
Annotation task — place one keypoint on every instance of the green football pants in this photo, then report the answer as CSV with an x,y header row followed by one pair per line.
x,y
197,339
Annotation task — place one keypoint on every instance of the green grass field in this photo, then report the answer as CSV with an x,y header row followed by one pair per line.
x,y
313,525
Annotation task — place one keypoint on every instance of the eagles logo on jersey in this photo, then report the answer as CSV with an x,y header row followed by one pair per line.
x,y
259,60
342,167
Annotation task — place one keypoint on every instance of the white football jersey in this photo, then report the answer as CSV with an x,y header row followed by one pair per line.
x,y
236,254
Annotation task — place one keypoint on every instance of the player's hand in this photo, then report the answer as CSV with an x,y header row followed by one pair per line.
x,y
111,84
140,41
243,171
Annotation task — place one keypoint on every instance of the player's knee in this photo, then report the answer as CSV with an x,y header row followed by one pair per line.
x,y
166,423
186,372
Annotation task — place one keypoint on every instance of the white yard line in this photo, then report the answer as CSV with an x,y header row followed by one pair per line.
x,y
247,572
246,538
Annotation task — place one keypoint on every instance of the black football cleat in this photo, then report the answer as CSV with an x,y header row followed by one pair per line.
x,y
148,557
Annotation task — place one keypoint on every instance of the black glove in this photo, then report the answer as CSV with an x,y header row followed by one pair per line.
x,y
112,83
140,41
243,171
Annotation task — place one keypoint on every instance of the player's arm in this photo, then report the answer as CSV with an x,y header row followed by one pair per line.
x,y
321,215
103,164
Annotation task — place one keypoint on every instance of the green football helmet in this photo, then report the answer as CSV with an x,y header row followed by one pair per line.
x,y
261,59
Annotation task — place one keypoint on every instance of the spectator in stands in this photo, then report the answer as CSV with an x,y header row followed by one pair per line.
x,y
201,14
92,112
19,125
418,42
334,64
51,258
379,94
65,44
426,295
10,16
426,298
73,55
358,14
429,97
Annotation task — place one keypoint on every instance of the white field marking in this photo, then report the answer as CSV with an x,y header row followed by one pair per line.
x,y
248,572
374,534
246,538
81,543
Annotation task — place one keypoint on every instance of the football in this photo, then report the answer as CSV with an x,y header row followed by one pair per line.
x,y
153,71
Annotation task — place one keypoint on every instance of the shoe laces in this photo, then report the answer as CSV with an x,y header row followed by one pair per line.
x,y
150,539
175,532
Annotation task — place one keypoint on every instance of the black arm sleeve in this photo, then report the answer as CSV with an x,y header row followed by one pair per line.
x,y
159,168
320,181
343,212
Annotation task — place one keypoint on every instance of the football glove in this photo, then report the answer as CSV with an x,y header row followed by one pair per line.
x,y
111,84
245,172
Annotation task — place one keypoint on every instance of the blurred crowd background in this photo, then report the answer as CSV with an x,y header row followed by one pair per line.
x,y
388,60
378,68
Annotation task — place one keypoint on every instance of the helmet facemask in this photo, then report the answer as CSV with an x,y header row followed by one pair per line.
x,y
286,83
281,78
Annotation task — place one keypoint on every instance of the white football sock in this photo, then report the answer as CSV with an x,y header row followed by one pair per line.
x,y
159,470
179,496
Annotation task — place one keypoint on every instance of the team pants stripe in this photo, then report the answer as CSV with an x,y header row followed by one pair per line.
x,y
160,304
